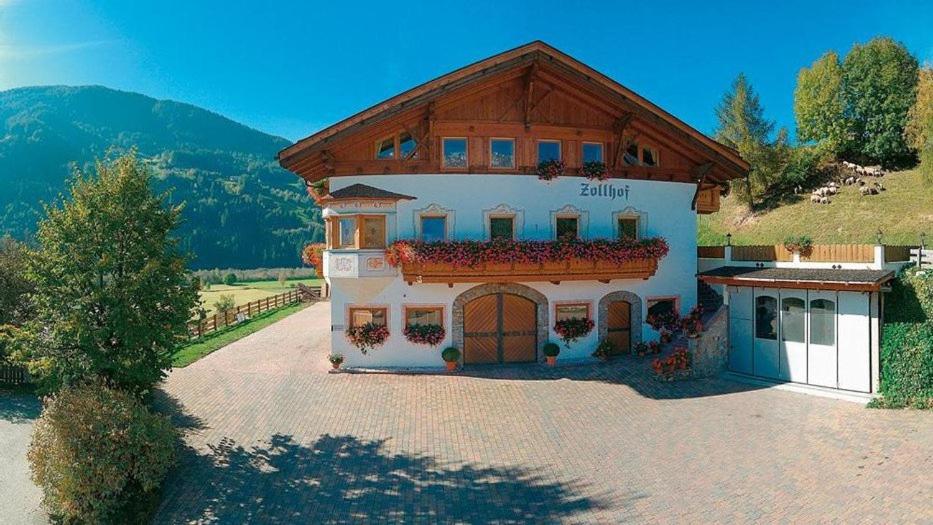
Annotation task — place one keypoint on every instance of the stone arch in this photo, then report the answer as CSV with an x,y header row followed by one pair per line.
x,y
636,313
541,302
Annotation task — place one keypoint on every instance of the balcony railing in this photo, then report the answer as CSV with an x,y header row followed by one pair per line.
x,y
571,270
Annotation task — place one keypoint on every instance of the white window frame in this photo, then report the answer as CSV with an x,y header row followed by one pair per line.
x,y
602,151
435,210
560,148
466,153
571,211
504,211
514,151
630,213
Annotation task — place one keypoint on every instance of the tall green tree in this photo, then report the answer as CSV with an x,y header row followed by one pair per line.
x,y
919,130
14,285
819,106
743,126
112,293
879,82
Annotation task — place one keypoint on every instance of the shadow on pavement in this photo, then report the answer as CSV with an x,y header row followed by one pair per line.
x,y
17,407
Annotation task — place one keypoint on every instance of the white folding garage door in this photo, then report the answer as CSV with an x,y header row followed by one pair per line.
x,y
821,338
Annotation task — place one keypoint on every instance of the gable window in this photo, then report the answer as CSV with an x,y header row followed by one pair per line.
x,y
592,152
628,228
362,315
502,153
455,152
424,315
548,150
347,238
563,312
433,228
567,227
501,228
649,156
406,144
631,154
395,147
385,148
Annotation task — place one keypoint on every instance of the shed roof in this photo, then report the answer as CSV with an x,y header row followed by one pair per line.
x,y
806,278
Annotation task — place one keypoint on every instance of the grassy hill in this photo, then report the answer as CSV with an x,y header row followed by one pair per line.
x,y
241,209
901,212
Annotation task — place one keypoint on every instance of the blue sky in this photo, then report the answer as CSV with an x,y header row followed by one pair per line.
x,y
290,68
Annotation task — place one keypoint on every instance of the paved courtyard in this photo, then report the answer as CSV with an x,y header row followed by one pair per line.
x,y
275,439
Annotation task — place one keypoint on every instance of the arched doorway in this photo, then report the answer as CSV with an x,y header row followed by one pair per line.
x,y
620,320
500,323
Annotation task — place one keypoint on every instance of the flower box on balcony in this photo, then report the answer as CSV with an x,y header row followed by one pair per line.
x,y
526,261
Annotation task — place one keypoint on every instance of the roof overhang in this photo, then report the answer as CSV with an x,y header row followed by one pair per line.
x,y
799,278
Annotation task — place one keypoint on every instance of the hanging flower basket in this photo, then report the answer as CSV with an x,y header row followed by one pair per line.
x,y
572,329
313,255
367,336
595,170
550,169
425,334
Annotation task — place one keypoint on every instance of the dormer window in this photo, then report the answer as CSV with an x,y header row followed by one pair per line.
x,y
455,152
398,146
548,150
593,152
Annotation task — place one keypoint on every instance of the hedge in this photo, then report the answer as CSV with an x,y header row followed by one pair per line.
x,y
907,342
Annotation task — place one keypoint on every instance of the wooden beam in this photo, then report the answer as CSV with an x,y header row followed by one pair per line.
x,y
619,126
529,92
701,172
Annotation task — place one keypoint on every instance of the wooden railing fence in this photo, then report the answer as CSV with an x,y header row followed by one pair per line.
x,y
816,253
243,312
11,374
922,257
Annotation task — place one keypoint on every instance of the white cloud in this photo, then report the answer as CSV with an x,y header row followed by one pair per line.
x,y
26,52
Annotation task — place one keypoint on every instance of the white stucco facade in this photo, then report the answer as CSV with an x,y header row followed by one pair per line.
x,y
361,278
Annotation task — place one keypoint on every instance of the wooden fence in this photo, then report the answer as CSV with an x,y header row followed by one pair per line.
x,y
922,257
244,311
818,252
13,374
897,253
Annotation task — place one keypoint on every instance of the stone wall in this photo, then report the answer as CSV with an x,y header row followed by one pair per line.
x,y
711,350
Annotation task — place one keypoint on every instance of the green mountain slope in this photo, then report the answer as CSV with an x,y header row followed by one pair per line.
x,y
241,209
901,212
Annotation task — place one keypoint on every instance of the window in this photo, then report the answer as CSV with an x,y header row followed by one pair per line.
x,y
567,227
433,228
649,157
592,152
631,154
361,315
347,232
406,144
562,312
793,319
548,150
374,232
501,228
455,153
628,228
662,306
822,322
502,153
424,315
765,317
385,148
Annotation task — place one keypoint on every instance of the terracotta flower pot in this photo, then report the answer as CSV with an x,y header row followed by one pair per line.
x,y
451,365
551,360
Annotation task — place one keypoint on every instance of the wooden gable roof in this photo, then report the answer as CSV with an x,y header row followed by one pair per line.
x,y
531,92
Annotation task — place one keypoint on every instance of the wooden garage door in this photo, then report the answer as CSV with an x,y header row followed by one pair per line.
x,y
619,326
499,328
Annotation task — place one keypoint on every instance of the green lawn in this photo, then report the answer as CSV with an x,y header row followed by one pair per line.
x,y
190,353
901,212
247,291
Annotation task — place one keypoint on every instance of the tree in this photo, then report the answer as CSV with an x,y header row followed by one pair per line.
x,y
230,279
819,106
112,295
15,287
879,87
919,129
743,126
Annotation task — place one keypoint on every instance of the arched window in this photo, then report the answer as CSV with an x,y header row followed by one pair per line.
x,y
822,322
793,320
765,317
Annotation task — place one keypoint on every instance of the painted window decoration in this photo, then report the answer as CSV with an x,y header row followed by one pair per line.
x,y
347,232
360,316
567,227
649,157
455,153
406,145
501,228
592,152
766,317
548,150
433,228
385,148
793,320
631,154
822,322
502,153
628,228
374,232
563,312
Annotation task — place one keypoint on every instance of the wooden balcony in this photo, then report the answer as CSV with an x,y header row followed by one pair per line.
x,y
555,272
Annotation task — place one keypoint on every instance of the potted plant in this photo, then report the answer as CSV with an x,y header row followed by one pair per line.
x,y
604,350
594,170
678,363
425,334
335,360
551,350
367,336
572,329
313,255
451,355
550,169
801,244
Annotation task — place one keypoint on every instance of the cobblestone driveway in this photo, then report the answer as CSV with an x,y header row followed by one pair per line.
x,y
275,439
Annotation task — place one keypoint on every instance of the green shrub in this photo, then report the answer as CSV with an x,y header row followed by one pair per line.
x,y
450,354
230,279
551,349
907,342
224,303
99,455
